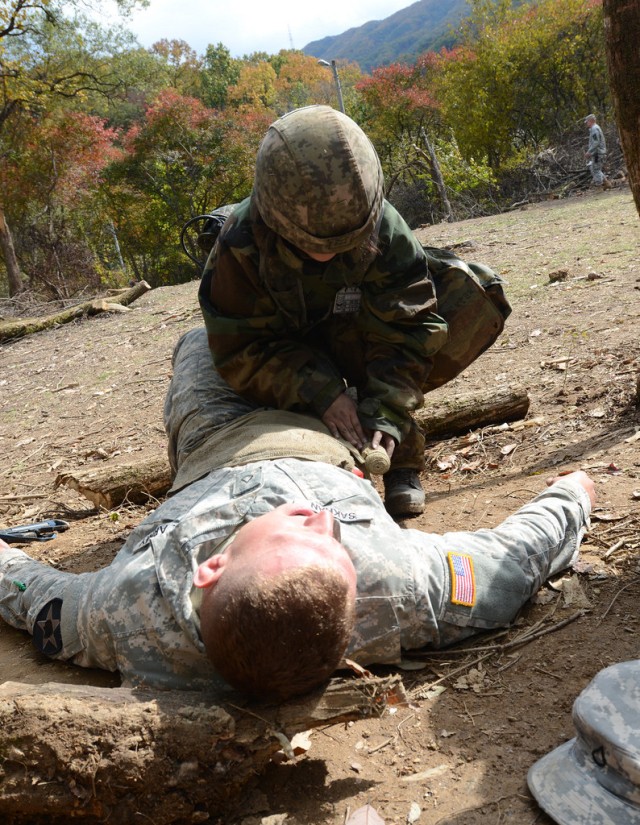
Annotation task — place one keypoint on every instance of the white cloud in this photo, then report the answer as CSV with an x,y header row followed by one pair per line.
x,y
246,26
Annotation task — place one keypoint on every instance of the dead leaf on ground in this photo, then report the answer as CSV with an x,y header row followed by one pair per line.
x,y
543,596
606,517
365,816
474,679
572,593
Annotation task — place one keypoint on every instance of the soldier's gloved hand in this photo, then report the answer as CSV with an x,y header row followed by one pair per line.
x,y
341,417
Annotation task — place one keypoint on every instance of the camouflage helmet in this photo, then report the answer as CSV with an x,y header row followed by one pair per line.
x,y
318,180
595,777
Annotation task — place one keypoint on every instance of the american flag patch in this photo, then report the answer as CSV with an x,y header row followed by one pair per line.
x,y
463,583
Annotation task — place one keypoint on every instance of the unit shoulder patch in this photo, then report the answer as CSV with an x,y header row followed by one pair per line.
x,y
47,637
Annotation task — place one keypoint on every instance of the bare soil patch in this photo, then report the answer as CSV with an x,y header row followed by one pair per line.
x,y
92,391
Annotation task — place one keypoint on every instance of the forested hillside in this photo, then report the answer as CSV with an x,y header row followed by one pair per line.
x,y
108,148
422,26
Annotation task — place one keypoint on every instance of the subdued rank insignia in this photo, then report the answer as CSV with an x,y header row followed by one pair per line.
x,y
347,301
47,637
463,583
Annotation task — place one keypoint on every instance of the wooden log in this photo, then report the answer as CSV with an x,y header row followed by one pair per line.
x,y
108,485
457,414
74,753
19,327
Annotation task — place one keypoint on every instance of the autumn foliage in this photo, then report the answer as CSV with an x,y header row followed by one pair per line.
x,y
108,148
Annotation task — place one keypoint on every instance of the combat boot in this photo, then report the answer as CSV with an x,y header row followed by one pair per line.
x,y
403,493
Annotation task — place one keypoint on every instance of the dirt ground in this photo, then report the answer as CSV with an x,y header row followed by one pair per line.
x,y
92,391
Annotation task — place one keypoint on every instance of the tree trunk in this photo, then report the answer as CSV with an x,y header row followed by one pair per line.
x,y
108,485
437,176
76,753
622,36
14,277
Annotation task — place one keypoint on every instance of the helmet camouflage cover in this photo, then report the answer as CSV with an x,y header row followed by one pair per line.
x,y
318,180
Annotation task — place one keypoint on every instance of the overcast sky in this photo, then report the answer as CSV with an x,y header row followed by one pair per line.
x,y
246,26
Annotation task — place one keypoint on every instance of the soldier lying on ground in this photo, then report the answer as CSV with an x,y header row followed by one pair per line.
x,y
316,279
271,559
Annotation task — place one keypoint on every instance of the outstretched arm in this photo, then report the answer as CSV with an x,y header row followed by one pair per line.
x,y
485,576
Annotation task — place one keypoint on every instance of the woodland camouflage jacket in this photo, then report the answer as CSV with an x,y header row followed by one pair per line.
x,y
278,336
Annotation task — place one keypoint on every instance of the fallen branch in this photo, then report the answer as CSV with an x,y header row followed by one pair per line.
x,y
615,599
463,412
75,753
108,485
20,327
524,639
422,692
615,547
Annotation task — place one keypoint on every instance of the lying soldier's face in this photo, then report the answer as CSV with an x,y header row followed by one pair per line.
x,y
291,535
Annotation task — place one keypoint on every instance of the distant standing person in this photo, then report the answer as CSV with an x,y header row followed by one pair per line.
x,y
596,152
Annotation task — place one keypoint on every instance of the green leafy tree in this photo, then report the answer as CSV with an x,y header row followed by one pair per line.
x,y
180,66
219,72
140,80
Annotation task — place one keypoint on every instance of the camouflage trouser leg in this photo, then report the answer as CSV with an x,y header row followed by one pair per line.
x,y
597,162
198,401
409,454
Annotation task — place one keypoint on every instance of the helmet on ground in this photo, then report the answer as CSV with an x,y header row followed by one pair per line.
x,y
318,180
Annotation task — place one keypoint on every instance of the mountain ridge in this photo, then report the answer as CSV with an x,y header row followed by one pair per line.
x,y
426,25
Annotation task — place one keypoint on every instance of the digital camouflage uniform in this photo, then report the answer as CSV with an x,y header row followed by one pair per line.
x,y
415,589
597,151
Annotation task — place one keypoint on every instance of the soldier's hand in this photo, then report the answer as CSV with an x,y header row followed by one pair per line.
x,y
384,440
342,420
582,479
3,546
